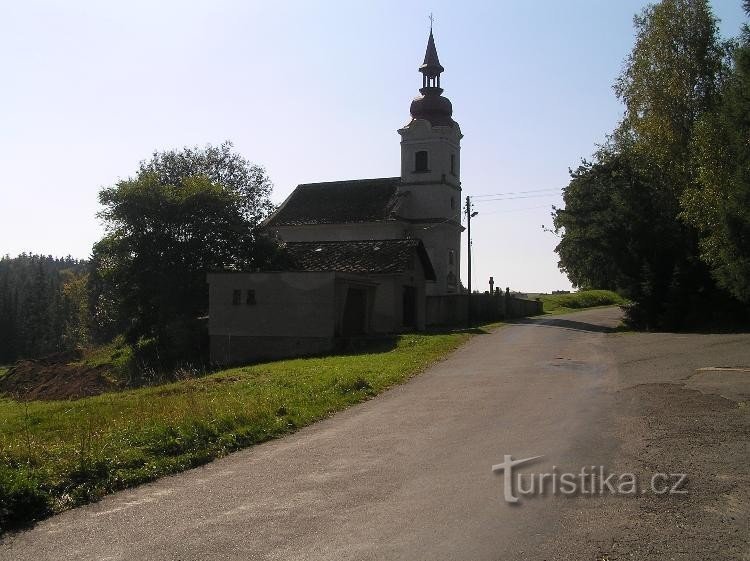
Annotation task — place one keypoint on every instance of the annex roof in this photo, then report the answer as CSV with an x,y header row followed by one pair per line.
x,y
358,256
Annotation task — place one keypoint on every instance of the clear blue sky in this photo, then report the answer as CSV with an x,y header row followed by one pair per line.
x,y
313,91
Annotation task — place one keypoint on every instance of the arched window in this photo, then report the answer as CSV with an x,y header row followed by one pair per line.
x,y
453,164
420,161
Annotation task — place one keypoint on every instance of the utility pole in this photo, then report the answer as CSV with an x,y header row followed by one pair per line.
x,y
469,216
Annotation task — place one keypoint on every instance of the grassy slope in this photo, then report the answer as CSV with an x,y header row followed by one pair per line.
x,y
56,455
564,303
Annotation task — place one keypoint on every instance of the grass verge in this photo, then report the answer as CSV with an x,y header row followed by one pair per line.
x,y
60,454
565,303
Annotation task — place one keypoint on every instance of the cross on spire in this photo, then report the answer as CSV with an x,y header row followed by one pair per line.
x,y
432,20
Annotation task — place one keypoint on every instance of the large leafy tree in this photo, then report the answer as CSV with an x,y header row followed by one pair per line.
x,y
220,165
719,203
185,213
614,236
610,221
669,80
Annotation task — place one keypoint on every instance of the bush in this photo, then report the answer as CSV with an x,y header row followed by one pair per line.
x,y
22,498
582,299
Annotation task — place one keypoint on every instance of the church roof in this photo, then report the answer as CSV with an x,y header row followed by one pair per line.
x,y
358,256
337,202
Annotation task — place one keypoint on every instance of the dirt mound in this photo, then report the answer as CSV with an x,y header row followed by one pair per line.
x,y
55,377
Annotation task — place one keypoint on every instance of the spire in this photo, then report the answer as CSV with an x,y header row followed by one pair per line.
x,y
431,105
431,66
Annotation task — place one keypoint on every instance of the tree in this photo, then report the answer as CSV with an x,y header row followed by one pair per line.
x,y
185,214
622,227
718,205
74,309
8,321
35,313
671,78
36,325
615,235
222,167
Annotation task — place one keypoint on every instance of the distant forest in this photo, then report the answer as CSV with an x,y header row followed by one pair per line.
x,y
43,305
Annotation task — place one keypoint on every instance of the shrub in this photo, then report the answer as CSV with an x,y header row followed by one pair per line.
x,y
581,299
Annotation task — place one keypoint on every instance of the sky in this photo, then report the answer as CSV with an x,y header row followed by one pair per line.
x,y
312,91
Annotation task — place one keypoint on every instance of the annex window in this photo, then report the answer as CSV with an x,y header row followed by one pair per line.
x,y
250,297
236,297
420,161
453,164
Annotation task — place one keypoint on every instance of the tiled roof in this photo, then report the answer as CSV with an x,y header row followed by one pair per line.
x,y
358,256
362,200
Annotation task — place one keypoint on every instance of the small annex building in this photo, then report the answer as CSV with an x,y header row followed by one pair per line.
x,y
330,289
363,255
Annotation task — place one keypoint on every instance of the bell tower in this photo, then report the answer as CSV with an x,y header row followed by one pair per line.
x,y
430,175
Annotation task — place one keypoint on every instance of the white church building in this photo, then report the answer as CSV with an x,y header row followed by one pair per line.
x,y
363,255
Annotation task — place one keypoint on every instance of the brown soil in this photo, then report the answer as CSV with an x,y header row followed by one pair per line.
x,y
55,377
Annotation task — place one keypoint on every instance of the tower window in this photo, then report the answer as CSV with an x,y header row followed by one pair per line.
x,y
420,161
451,256
453,203
453,164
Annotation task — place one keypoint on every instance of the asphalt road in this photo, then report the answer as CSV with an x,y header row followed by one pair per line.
x,y
406,475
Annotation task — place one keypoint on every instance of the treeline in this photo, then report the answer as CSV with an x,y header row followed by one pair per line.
x,y
661,213
43,305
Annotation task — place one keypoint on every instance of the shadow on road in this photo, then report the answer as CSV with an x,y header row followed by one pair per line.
x,y
565,324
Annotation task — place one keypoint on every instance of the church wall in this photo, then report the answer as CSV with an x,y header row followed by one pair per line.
x,y
434,196
440,143
439,240
386,230
439,201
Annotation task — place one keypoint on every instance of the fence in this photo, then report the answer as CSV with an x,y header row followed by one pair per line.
x,y
453,309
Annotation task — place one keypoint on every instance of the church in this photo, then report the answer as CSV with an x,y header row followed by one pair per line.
x,y
364,256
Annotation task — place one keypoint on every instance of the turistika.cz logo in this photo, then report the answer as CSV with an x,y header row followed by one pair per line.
x,y
589,480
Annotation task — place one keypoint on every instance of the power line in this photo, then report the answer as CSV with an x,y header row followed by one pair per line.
x,y
514,193
514,210
514,198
